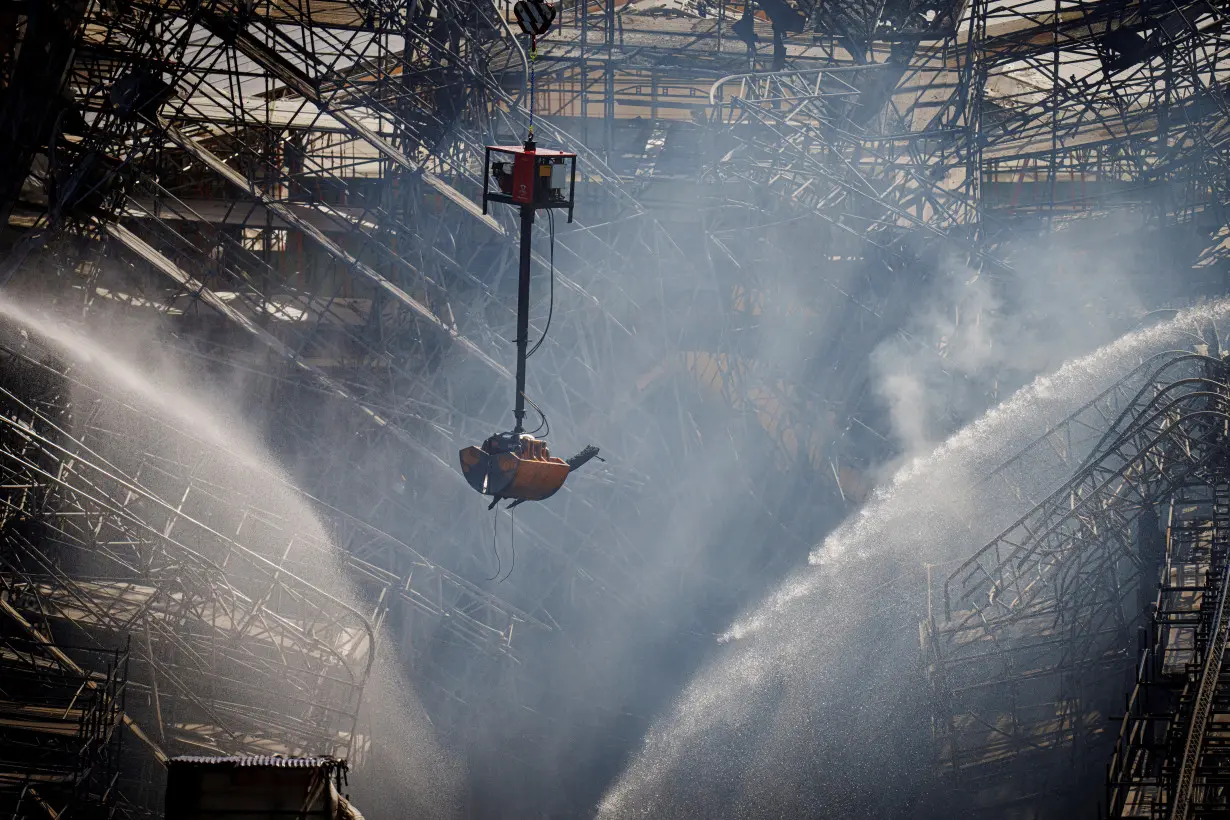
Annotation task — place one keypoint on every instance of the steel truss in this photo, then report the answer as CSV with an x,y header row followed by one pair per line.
x,y
1028,642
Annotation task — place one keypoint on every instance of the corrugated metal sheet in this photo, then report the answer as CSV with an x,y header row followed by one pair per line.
x,y
272,761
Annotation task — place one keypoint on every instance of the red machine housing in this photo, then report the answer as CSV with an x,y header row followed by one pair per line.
x,y
526,175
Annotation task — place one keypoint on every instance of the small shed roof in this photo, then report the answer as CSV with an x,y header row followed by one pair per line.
x,y
267,761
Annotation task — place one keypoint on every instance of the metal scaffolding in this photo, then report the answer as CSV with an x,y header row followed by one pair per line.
x,y
59,723
292,189
1168,759
233,647
1030,642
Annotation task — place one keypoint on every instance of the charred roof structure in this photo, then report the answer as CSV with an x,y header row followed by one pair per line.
x,y
291,191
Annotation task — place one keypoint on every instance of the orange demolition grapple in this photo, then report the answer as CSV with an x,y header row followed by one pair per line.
x,y
519,468
516,465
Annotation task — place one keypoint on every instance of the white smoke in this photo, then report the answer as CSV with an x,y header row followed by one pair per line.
x,y
986,333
